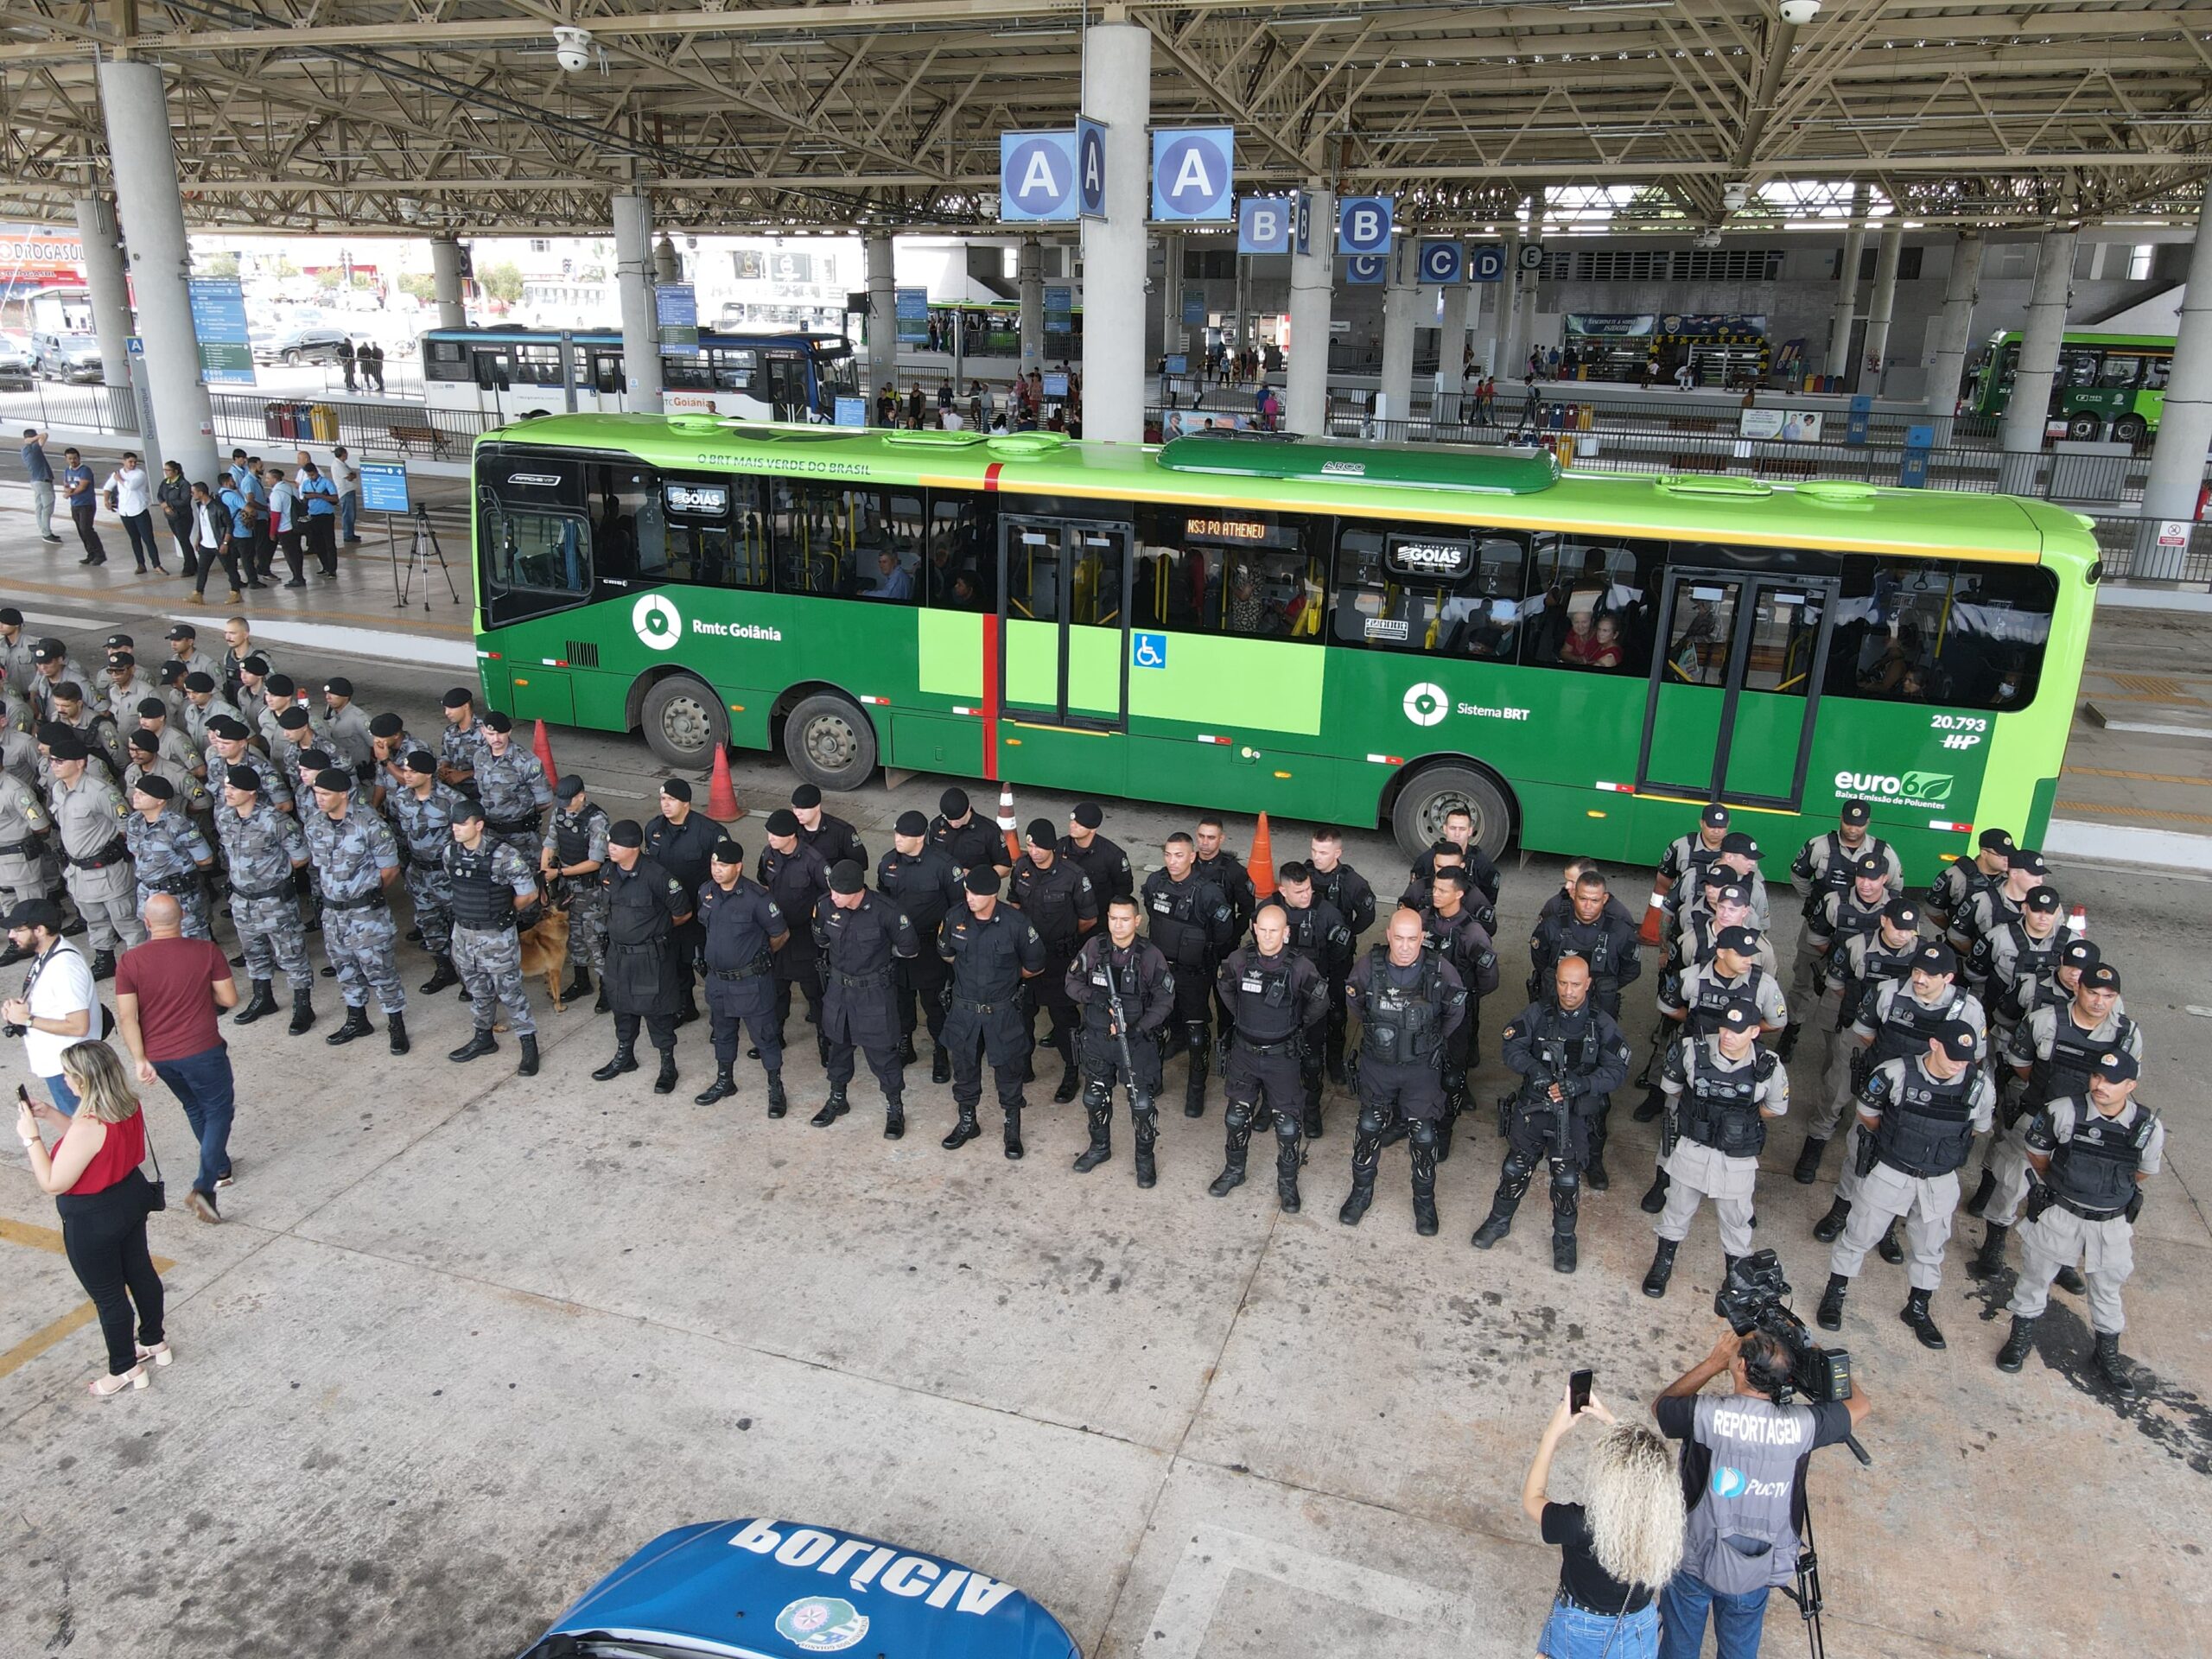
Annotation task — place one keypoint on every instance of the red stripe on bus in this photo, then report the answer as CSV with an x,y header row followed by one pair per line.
x,y
991,685
991,475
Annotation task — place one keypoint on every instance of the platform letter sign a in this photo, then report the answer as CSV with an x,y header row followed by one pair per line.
x,y
1442,263
1193,171
1263,224
1363,225
1037,176
1090,166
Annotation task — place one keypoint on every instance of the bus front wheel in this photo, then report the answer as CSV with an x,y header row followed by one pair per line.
x,y
1418,817
2084,428
829,743
683,722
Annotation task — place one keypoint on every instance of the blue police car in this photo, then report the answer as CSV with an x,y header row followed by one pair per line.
x,y
769,1589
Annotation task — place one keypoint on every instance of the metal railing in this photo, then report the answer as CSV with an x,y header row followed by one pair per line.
x,y
2122,537
371,430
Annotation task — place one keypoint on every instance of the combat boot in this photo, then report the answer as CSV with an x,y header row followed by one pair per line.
x,y
1366,1155
303,1012
962,1132
104,965
356,1025
1070,1084
777,1104
1655,1197
1662,1268
527,1067
579,987
1562,1252
1808,1168
443,976
598,1002
1829,1315
1495,1225
1787,1045
1829,1228
665,1083
1653,1103
895,1117
1594,1174
1194,1084
395,1026
1989,1260
1013,1147
262,1004
832,1108
2014,1353
476,1047
1915,1313
1147,1136
1727,1265
2069,1278
906,1055
720,1089
625,1059
1424,1162
1232,1173
1985,1190
1887,1247
2111,1368
940,1063
1098,1109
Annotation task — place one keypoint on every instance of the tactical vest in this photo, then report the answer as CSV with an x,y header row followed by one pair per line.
x,y
1403,1025
1720,1108
1927,1127
1591,941
1265,1010
1852,921
1904,1031
2033,959
1838,876
1879,963
572,837
2095,1169
480,899
2074,1054
1714,998
1582,1055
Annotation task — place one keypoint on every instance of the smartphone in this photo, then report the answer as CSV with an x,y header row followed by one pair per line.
x,y
1578,1390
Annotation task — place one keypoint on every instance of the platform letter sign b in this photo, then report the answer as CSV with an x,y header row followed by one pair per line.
x,y
1263,224
1363,225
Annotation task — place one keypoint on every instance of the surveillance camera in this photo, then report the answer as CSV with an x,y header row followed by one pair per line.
x,y
572,49
1800,12
1708,238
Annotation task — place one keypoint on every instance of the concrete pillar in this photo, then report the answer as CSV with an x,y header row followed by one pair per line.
x,y
879,253
1118,91
2021,436
110,297
1954,334
1882,308
445,282
1401,320
1029,272
152,218
1452,345
1171,293
1243,336
1313,274
667,266
1512,350
633,283
1846,310
2185,426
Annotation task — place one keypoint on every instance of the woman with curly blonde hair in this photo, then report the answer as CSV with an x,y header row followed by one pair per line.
x,y
1616,1548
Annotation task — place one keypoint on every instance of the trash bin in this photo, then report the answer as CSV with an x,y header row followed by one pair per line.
x,y
323,420
272,419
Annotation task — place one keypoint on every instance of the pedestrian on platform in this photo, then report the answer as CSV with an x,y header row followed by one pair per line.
x,y
168,992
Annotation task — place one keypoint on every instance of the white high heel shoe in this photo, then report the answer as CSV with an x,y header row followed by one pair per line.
x,y
135,1377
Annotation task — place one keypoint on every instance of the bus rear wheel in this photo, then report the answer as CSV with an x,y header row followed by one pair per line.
x,y
1418,817
685,722
829,743
2129,429
2084,428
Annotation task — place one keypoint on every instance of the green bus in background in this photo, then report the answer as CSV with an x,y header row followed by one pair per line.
x,y
2107,386
1351,632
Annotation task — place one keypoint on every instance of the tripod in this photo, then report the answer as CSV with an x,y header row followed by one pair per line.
x,y
1807,1594
419,556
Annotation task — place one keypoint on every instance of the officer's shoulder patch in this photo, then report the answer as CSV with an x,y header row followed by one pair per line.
x,y
1509,1030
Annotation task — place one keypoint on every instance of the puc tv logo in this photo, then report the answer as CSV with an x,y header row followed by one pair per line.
x,y
1730,1482
657,624
1426,703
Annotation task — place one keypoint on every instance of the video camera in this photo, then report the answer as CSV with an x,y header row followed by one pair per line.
x,y
1751,1299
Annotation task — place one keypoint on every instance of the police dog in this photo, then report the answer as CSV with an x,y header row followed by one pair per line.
x,y
545,947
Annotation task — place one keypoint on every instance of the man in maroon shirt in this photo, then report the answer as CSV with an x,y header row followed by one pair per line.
x,y
168,992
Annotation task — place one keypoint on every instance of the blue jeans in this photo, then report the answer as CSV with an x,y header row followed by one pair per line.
x,y
202,1083
1737,1620
1576,1633
63,1096
348,503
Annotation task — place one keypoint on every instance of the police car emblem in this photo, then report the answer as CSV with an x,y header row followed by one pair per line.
x,y
822,1623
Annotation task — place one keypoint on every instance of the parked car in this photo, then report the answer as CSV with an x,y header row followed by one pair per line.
x,y
18,361
73,357
303,342
765,1589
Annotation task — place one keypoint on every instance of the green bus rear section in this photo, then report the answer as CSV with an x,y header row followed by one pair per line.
x,y
1299,730
1991,393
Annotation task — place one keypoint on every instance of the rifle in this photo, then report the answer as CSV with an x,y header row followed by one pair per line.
x,y
1120,1025
1552,1053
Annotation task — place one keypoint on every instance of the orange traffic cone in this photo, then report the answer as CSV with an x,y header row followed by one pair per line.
x,y
2077,921
722,799
1653,912
542,745
1006,825
1261,867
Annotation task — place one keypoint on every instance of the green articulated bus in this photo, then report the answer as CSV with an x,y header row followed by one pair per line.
x,y
2107,386
1354,633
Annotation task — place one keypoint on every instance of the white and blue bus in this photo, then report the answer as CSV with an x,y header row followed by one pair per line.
x,y
780,375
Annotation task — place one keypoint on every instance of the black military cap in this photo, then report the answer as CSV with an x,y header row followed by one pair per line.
x,y
726,851
459,697
155,787
224,727
1089,814
1739,1015
1870,867
145,741
122,659
1737,841
1958,1039
2117,1066
806,797
464,811
1733,892
10,617
153,709
1856,812
120,642
1994,841
846,876
1714,816
2041,898
421,760
2100,977
781,821
48,650
2080,953
626,832
386,726
952,802
496,722
1744,941
244,778
2027,859
337,686
677,790
1042,832
275,685
182,631
36,913
1935,957
338,783
174,670
982,879
911,823
316,759
294,719
569,787
1901,913
65,745
199,680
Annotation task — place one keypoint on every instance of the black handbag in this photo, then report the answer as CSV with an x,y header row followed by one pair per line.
x,y
157,1196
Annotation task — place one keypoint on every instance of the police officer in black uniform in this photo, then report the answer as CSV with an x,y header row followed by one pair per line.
x,y
741,928
796,879
1459,839
1452,926
827,834
992,949
1319,933
1104,862
1056,898
680,841
859,933
1126,991
1409,999
1590,926
644,904
1273,997
1194,923
1348,890
966,839
920,878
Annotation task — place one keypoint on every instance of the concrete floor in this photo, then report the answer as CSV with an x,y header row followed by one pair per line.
x,y
465,1340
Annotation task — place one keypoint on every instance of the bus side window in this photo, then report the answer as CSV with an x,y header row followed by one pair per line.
x,y
1263,574
1927,631
1589,609
533,553
629,523
960,548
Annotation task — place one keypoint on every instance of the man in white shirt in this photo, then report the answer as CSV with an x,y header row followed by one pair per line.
x,y
55,1007
348,477
133,490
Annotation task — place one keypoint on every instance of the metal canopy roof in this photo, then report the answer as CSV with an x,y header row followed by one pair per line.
x,y
434,115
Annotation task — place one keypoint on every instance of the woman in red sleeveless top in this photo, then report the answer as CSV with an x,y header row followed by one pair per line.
x,y
93,1172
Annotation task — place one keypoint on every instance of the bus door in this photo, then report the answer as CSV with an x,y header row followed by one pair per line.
x,y
1063,651
1735,673
787,388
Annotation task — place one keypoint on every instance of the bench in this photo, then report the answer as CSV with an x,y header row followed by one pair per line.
x,y
407,437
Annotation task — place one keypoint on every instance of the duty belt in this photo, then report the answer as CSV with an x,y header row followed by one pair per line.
x,y
2083,1210
862,981
23,849
509,826
113,853
1280,1045
366,901
752,970
979,1008
284,892
172,884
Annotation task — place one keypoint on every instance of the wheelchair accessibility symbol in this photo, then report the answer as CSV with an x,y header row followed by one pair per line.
x,y
1149,651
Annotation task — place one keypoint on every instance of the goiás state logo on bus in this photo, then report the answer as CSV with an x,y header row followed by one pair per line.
x,y
1912,788
656,621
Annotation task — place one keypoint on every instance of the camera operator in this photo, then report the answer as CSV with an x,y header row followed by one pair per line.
x,y
1744,1463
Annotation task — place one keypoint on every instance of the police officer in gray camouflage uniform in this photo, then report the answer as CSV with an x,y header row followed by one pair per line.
x,y
574,851
461,745
89,811
227,747
510,783
24,825
422,811
172,742
355,858
262,848
494,895
346,731
168,853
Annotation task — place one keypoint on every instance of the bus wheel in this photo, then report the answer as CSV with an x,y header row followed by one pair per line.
x,y
1418,817
829,743
2129,429
683,722
2084,428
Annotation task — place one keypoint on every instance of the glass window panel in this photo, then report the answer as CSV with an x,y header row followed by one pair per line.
x,y
534,552
1703,627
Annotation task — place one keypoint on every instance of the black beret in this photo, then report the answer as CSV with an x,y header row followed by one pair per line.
x,y
242,778
626,833
275,685
331,779
846,876
982,879
153,709
496,722
677,790
65,745
10,617
911,823
467,811
781,821
1041,832
316,760
569,787
420,761
1089,814
155,785
458,697
386,726
294,719
806,797
726,851
198,680
952,802
230,730
339,686
142,739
